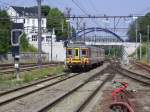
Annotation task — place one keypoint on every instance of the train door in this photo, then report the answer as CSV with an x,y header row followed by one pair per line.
x,y
76,53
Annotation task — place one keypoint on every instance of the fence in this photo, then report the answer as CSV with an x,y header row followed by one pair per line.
x,y
24,58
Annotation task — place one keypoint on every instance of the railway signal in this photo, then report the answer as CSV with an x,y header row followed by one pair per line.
x,y
15,42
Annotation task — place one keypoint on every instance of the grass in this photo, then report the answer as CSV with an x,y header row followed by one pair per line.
x,y
9,81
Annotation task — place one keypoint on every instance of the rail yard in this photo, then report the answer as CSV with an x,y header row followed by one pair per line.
x,y
89,91
74,56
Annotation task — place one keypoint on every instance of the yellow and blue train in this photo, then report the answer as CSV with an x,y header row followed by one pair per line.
x,y
83,56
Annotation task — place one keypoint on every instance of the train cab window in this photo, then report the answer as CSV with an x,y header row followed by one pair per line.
x,y
84,52
76,52
69,52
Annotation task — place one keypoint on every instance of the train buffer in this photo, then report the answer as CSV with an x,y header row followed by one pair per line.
x,y
121,98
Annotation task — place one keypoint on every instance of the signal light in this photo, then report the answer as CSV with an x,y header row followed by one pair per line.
x,y
15,36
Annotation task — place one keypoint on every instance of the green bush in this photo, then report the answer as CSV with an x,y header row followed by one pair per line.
x,y
25,46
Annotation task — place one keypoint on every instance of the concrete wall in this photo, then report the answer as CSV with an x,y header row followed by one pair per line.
x,y
58,49
131,47
24,58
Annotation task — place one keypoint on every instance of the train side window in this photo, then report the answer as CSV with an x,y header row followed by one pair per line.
x,y
69,52
83,52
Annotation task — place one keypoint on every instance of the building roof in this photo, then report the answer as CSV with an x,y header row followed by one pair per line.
x,y
26,11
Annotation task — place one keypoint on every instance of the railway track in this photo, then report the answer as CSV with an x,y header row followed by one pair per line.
x,y
91,96
14,94
135,76
37,97
10,69
144,66
74,91
10,66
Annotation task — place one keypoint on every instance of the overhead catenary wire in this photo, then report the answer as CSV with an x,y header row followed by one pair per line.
x,y
80,7
83,11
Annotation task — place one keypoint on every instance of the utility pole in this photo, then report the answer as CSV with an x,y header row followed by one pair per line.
x,y
84,26
39,34
68,20
140,46
147,53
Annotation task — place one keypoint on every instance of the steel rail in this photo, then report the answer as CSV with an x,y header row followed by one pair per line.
x,y
135,76
35,90
91,96
144,66
50,77
48,106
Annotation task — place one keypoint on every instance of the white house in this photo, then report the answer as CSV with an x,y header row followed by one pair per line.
x,y
28,17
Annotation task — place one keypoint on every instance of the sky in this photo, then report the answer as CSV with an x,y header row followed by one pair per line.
x,y
92,7
98,7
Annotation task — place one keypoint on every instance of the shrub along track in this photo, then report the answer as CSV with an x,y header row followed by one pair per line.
x,y
7,69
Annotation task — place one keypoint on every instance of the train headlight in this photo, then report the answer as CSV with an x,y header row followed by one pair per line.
x,y
70,60
82,59
86,60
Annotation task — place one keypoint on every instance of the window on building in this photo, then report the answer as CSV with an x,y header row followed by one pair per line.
x,y
42,38
42,22
27,20
48,38
34,37
33,22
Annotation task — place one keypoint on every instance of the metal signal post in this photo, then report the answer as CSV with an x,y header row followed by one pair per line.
x,y
15,41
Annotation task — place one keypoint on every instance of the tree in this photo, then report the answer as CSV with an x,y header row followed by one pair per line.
x,y
25,46
56,20
5,27
142,23
45,10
